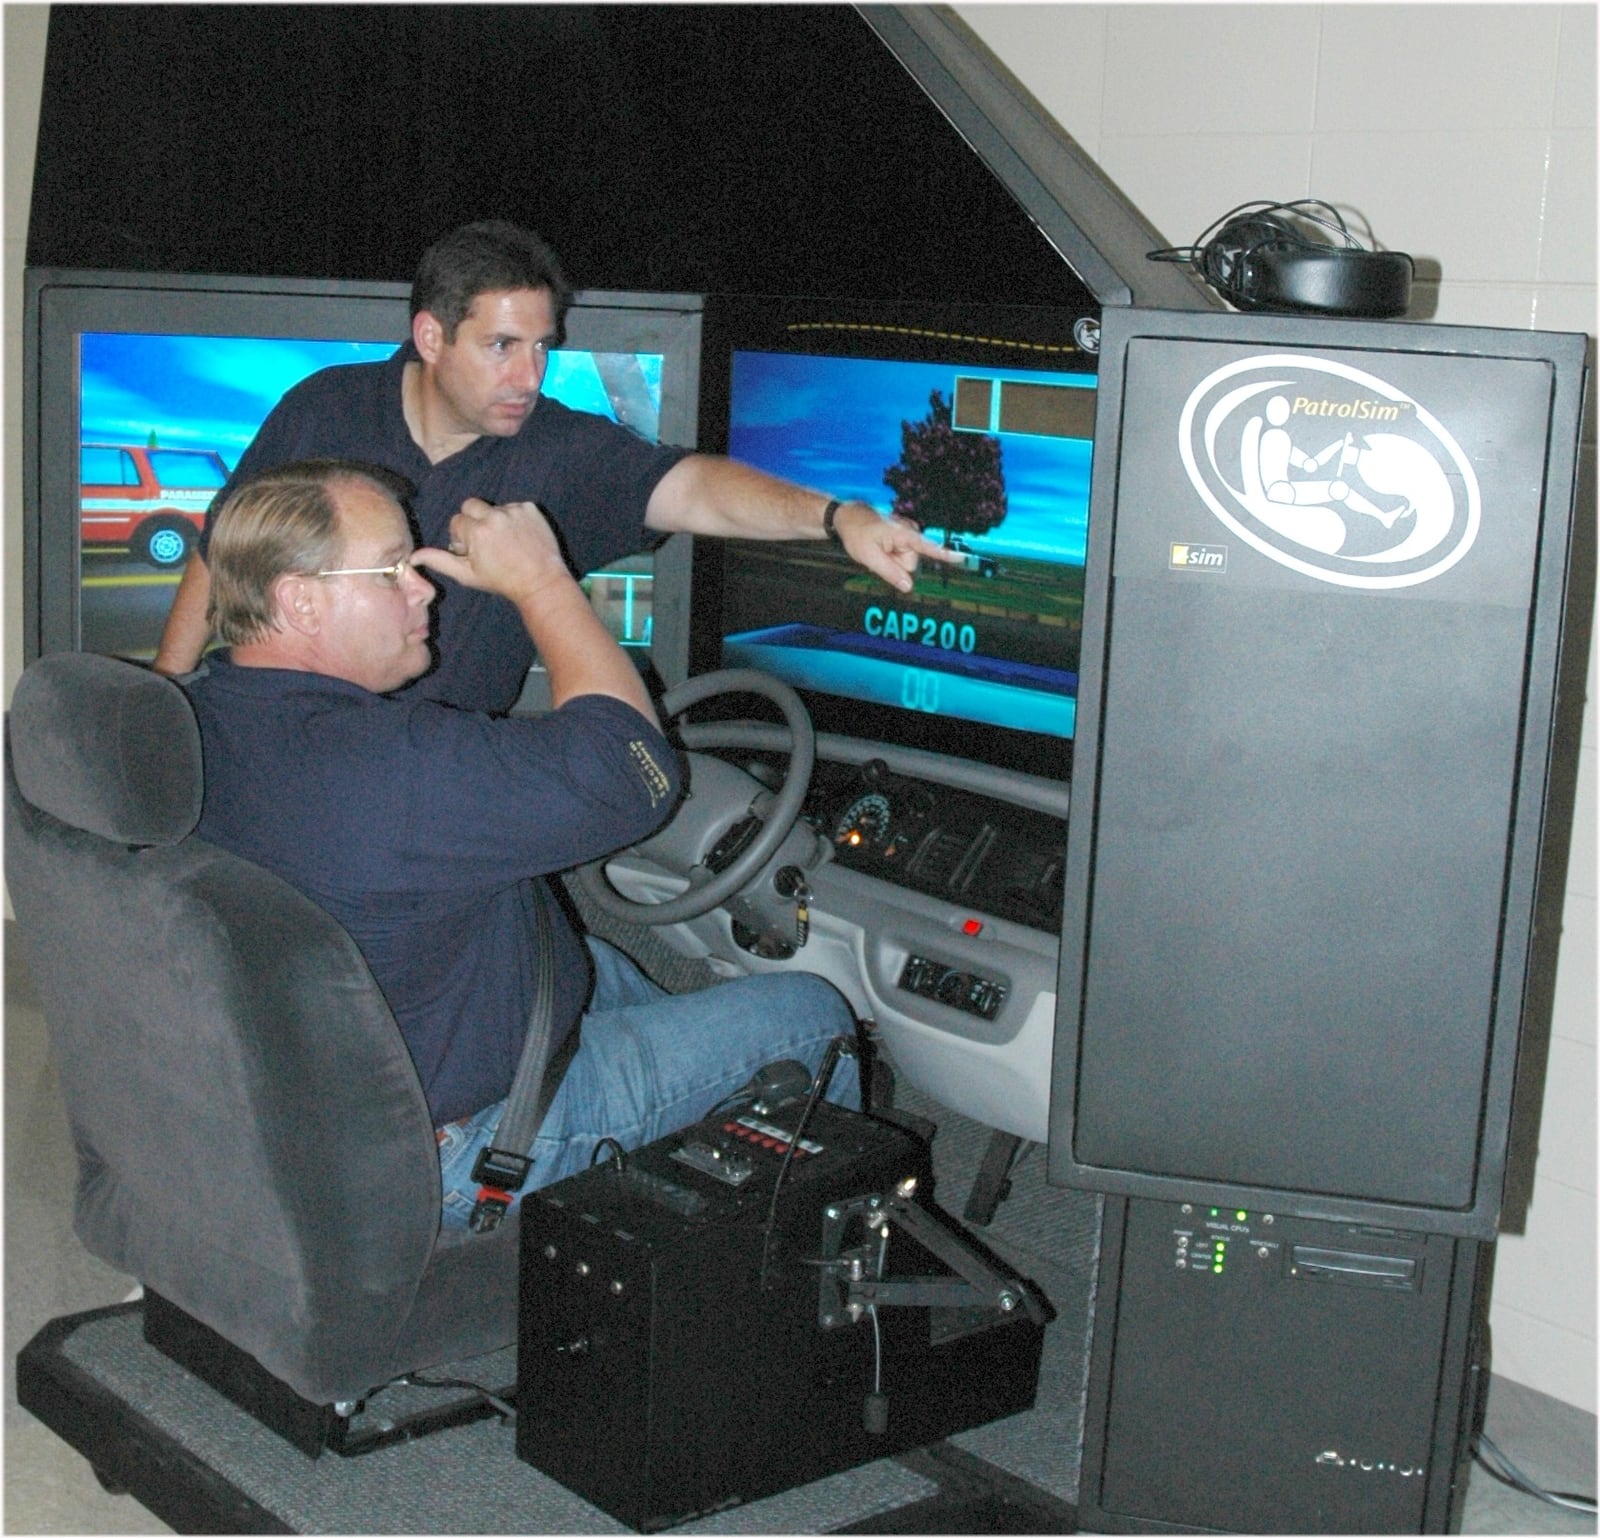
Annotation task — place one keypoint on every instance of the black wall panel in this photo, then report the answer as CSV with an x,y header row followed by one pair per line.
x,y
717,148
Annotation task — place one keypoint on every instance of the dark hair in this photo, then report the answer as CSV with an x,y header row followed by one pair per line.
x,y
282,520
489,257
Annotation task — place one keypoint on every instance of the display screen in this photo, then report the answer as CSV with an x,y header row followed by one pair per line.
x,y
993,461
163,419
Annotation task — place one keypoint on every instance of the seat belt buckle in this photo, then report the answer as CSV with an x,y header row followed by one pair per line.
x,y
500,1168
489,1211
499,1173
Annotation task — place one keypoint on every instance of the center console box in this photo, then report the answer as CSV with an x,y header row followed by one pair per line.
x,y
758,1301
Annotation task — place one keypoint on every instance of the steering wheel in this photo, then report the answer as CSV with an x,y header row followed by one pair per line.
x,y
721,853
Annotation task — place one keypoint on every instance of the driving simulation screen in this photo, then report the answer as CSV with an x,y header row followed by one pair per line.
x,y
992,462
163,420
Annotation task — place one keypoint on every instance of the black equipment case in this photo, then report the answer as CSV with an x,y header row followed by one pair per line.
x,y
709,1321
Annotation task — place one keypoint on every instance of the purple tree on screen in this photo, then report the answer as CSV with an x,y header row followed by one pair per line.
x,y
947,480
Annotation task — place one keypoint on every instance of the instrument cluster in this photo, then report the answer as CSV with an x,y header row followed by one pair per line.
x,y
885,820
952,844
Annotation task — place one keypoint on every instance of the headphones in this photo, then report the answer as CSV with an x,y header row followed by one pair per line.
x,y
1299,257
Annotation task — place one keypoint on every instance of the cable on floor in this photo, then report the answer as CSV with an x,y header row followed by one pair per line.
x,y
1498,1466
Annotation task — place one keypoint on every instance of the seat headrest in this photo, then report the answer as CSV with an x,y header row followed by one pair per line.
x,y
107,746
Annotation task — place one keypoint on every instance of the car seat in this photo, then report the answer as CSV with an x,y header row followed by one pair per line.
x,y
252,1139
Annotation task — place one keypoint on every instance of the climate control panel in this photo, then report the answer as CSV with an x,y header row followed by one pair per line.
x,y
957,987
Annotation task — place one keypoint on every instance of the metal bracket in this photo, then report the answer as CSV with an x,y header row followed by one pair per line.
x,y
853,1273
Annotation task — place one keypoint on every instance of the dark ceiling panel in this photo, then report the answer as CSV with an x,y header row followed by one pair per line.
x,y
717,148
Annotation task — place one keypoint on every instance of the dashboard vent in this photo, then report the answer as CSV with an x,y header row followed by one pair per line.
x,y
951,860
940,856
1036,885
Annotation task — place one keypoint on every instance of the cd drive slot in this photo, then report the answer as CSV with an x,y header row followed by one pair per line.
x,y
1350,1268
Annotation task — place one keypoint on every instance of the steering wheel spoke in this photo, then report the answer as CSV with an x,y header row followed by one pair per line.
x,y
732,844
747,841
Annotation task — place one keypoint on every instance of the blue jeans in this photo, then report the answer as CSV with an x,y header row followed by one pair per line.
x,y
650,1062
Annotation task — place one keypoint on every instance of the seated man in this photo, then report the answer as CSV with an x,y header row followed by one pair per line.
x,y
428,832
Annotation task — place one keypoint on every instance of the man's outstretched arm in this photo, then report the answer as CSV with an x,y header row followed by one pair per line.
x,y
708,494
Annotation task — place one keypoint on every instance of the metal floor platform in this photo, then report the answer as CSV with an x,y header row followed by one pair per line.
x,y
202,1465
199,1463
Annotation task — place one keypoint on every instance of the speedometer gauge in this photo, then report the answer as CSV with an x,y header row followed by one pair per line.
x,y
865,823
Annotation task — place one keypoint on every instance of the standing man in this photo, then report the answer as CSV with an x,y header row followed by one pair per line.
x,y
428,831
458,413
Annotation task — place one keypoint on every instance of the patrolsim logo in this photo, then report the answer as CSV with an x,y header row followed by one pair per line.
x,y
1329,471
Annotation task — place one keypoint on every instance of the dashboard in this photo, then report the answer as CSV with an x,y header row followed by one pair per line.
x,y
933,887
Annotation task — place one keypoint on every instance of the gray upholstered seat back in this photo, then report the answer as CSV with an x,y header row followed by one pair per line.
x,y
252,1139
108,748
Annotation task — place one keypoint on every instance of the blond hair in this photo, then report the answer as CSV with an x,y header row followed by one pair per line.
x,y
280,521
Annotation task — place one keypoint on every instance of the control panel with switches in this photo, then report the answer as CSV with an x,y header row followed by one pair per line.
x,y
955,986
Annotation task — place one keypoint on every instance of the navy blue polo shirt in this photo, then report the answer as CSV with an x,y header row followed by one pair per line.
x,y
426,832
592,478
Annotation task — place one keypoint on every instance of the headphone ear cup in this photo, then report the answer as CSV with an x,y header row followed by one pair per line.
x,y
1261,262
1228,259
1327,281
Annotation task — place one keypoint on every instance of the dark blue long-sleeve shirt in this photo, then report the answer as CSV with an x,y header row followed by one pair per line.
x,y
425,831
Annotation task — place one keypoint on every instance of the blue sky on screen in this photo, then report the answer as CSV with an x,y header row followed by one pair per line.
x,y
834,424
209,392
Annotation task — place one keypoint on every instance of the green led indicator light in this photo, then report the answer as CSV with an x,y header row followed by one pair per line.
x,y
1216,1212
1241,1215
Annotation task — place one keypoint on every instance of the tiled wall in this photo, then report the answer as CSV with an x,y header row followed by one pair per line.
x,y
1464,134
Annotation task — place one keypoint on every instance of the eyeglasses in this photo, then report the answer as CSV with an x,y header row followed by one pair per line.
x,y
393,575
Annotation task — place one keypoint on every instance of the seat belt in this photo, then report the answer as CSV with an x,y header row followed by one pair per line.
x,y
502,1167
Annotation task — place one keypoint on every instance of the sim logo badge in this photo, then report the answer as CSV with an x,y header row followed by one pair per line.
x,y
1189,557
1329,471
